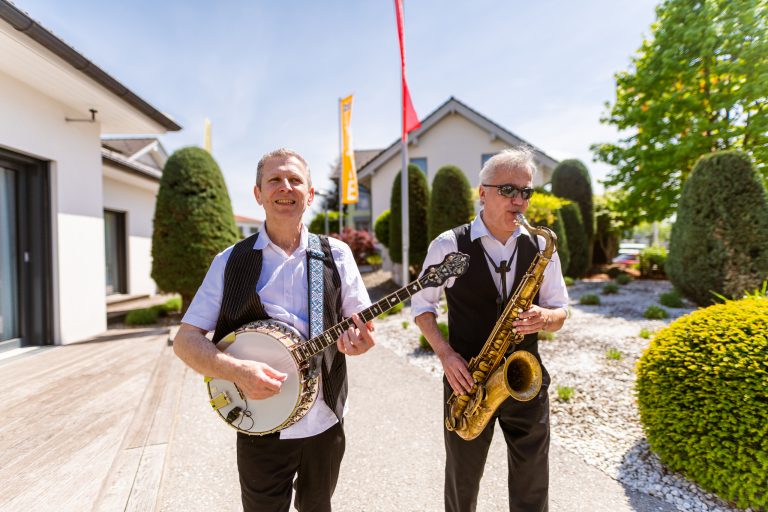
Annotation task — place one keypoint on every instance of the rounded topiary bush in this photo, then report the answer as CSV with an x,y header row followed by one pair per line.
x,y
418,205
719,242
578,244
702,389
571,180
193,222
450,204
381,228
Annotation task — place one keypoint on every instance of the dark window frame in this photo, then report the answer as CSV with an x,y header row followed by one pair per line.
x,y
122,249
34,228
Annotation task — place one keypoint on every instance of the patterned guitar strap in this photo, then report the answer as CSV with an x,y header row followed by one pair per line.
x,y
315,258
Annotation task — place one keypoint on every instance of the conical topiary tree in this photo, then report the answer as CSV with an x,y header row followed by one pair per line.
x,y
578,246
193,222
450,204
571,180
381,228
719,242
418,206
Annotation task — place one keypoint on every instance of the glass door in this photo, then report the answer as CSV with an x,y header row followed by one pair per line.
x,y
9,264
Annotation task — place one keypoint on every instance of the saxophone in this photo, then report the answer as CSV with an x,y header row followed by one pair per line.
x,y
497,378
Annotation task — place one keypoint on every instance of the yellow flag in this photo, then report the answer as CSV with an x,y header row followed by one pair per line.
x,y
207,136
349,194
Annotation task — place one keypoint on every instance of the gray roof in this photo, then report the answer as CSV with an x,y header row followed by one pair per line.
x,y
451,106
23,23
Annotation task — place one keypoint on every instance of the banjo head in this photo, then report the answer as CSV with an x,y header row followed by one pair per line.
x,y
267,342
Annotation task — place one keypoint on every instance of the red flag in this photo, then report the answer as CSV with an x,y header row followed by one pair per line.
x,y
410,118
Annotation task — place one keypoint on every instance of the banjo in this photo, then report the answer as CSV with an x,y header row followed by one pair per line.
x,y
283,348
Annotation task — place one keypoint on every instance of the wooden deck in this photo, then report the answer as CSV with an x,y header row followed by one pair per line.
x,y
86,426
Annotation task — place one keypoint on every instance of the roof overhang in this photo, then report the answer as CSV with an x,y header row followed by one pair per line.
x,y
452,107
120,162
39,59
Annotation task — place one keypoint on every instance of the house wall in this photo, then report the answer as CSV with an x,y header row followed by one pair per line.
x,y
136,197
453,141
33,124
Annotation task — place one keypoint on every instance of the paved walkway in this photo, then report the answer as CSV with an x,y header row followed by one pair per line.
x,y
394,456
121,424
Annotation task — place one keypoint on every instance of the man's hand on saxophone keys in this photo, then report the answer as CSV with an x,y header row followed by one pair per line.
x,y
537,319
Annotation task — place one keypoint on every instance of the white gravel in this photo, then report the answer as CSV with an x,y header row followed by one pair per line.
x,y
600,421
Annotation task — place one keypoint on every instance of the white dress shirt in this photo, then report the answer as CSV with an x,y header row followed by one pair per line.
x,y
553,294
282,288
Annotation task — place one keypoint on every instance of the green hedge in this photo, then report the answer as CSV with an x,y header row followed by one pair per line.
x,y
578,244
653,261
450,203
193,221
719,242
702,388
381,228
418,205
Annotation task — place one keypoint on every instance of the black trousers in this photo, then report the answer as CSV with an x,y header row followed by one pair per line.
x,y
267,466
526,430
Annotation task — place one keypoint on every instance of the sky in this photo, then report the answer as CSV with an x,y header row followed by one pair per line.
x,y
269,74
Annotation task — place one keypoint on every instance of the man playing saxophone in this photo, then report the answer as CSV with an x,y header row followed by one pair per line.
x,y
500,254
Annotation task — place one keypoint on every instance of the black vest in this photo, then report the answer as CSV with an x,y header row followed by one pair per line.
x,y
240,304
472,307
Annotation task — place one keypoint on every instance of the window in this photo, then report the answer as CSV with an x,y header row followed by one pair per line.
x,y
114,249
485,157
421,163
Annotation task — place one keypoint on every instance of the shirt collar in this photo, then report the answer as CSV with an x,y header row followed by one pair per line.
x,y
478,229
263,240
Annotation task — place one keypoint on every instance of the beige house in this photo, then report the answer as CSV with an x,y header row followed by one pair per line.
x,y
454,134
75,209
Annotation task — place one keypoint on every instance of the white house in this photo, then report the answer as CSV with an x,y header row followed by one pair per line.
x,y
454,134
57,181
248,226
132,168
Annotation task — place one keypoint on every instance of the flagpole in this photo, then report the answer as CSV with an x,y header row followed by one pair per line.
x,y
404,197
341,169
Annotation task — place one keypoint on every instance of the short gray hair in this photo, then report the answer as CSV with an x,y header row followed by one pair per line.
x,y
281,153
511,158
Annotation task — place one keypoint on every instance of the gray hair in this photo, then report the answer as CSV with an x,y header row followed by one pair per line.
x,y
511,158
285,154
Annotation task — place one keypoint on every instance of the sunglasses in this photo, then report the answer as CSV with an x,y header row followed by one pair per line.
x,y
512,191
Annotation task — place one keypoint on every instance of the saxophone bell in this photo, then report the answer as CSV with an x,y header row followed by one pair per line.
x,y
523,375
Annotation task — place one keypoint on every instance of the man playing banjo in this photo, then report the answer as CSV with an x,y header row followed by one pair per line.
x,y
275,265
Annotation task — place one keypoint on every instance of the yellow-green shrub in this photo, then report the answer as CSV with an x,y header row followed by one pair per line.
x,y
702,388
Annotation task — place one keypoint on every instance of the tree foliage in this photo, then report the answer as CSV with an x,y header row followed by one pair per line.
x,y
317,225
418,206
607,231
719,242
451,201
698,85
193,222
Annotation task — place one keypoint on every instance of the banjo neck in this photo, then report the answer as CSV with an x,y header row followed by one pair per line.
x,y
303,352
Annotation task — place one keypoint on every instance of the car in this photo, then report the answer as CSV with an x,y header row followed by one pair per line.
x,y
626,259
